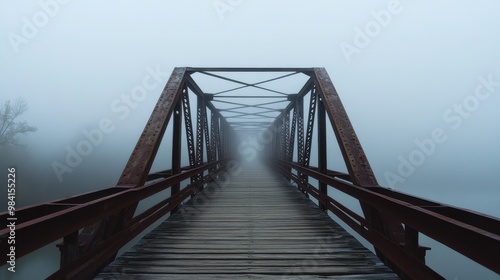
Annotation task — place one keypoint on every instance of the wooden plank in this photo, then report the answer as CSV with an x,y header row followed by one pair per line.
x,y
240,256
255,227
378,276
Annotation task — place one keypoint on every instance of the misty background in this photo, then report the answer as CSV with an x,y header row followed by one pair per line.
x,y
398,85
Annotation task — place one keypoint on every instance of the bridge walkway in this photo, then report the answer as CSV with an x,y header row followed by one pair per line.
x,y
253,225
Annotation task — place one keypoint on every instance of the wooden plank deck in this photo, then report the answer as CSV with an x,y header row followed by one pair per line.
x,y
255,227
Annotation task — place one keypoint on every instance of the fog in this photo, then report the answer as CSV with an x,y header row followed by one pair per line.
x,y
420,82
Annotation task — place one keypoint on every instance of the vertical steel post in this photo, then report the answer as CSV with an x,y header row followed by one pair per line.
x,y
222,137
284,134
292,136
322,149
214,119
300,129
300,137
70,248
207,134
411,244
176,147
186,106
278,136
200,122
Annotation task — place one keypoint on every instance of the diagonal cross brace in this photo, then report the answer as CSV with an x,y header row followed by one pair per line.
x,y
145,150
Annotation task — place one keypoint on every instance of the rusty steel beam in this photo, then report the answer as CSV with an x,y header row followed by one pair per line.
x,y
260,105
208,147
252,96
292,136
227,140
244,84
479,244
208,97
248,69
107,216
299,103
350,147
86,266
322,149
310,125
249,123
253,84
332,173
307,87
285,123
137,168
209,130
355,159
164,173
413,266
214,130
276,127
141,160
221,135
188,128
276,139
200,124
285,135
139,164
176,147
64,222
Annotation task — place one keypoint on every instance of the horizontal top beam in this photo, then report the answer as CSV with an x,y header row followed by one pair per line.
x,y
247,69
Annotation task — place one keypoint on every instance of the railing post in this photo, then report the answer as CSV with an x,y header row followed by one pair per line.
x,y
412,244
70,249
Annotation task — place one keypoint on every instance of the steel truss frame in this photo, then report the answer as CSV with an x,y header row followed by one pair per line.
x,y
95,225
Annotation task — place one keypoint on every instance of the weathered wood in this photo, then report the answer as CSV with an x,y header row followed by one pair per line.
x,y
255,227
149,276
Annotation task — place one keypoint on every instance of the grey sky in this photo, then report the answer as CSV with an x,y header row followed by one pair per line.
x,y
397,85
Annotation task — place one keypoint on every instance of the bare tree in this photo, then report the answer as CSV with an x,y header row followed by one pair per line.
x,y
10,126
